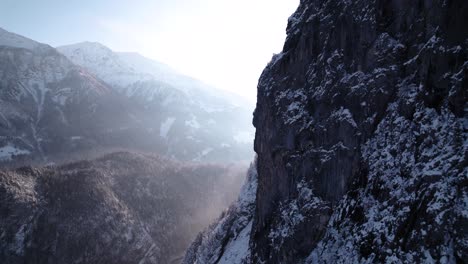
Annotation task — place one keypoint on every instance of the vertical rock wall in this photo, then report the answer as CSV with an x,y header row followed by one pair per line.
x,y
367,99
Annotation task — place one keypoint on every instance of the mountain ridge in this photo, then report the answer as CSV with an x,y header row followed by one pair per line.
x,y
11,39
47,109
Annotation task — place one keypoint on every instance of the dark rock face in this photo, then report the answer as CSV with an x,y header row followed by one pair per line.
x,y
121,208
362,136
365,107
362,139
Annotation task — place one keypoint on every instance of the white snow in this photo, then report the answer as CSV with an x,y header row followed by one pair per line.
x,y
123,69
193,123
105,63
237,249
147,254
295,111
206,151
166,126
8,151
344,114
248,192
19,240
429,259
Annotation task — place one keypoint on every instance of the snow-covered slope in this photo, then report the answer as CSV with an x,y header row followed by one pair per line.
x,y
158,71
97,99
196,89
122,69
48,105
104,63
206,123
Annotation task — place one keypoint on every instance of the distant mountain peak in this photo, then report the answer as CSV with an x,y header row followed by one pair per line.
x,y
86,45
123,69
10,39
84,53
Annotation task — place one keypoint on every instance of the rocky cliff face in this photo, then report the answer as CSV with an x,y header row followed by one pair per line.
x,y
121,208
362,136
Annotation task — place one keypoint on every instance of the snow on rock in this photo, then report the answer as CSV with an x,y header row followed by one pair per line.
x,y
193,123
105,63
7,152
236,250
158,92
166,126
361,138
343,115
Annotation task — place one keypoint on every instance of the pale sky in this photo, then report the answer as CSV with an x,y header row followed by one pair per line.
x,y
225,43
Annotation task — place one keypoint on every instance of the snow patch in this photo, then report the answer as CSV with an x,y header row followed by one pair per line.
x,y
206,151
193,123
8,151
166,126
237,249
345,115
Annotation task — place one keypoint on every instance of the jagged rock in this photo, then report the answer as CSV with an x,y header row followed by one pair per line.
x,y
362,136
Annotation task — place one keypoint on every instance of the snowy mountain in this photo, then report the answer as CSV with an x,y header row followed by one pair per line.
x,y
122,69
48,105
120,207
104,63
185,111
362,141
54,109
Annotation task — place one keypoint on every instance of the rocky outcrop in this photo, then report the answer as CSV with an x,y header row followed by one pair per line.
x,y
362,136
365,106
121,208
